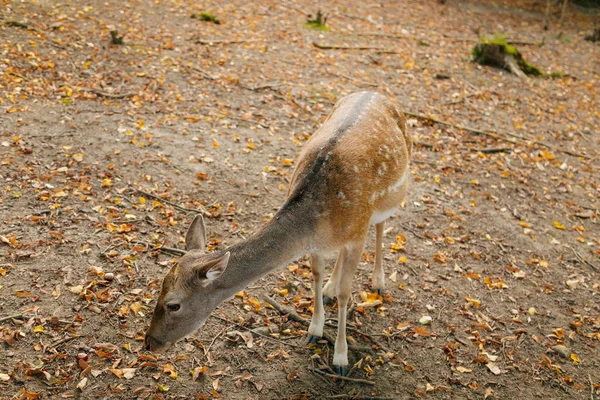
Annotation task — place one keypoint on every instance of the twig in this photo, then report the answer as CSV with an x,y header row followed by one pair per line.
x,y
16,24
247,121
341,377
591,387
411,230
282,310
177,206
256,333
163,249
494,135
204,73
517,42
11,317
109,95
65,340
423,144
491,150
265,86
583,260
211,344
350,78
336,47
210,42
389,35
295,317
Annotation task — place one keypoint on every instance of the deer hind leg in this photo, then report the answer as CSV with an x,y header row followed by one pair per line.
x,y
315,330
378,278
348,265
330,289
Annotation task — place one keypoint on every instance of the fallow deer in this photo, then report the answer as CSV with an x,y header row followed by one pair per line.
x,y
352,173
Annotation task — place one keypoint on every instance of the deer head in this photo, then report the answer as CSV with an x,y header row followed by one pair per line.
x,y
188,293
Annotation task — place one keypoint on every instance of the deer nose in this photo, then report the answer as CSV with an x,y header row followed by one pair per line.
x,y
151,343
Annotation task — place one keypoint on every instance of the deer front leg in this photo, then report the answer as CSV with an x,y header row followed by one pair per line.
x,y
349,263
330,289
378,278
315,330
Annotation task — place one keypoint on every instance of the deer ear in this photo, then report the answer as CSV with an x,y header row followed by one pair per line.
x,y
195,238
213,269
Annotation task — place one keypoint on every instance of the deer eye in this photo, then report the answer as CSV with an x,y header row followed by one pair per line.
x,y
173,307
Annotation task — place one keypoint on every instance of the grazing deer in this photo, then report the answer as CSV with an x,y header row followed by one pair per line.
x,y
352,173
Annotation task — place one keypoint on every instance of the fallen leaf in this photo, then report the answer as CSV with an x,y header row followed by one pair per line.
x,y
82,384
494,368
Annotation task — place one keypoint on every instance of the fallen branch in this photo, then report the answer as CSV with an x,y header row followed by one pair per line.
x,y
335,47
257,333
341,377
583,260
492,150
11,317
63,341
163,249
284,311
16,24
177,206
265,86
210,42
350,78
517,42
295,317
109,95
388,35
205,74
496,136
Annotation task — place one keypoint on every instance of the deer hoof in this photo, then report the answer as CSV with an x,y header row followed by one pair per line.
x,y
341,370
313,339
379,292
328,301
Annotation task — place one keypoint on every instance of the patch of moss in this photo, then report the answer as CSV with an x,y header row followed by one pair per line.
x,y
204,16
316,25
497,52
318,22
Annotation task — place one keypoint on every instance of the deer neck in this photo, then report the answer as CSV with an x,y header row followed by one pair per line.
x,y
283,239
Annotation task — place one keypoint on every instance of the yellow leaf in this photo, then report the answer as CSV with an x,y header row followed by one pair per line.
x,y
136,307
287,162
575,359
255,303
402,260
106,182
142,200
401,239
547,155
39,329
215,144
558,225
78,157
476,303
162,388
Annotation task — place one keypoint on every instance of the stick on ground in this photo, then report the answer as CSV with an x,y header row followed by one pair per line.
x,y
341,377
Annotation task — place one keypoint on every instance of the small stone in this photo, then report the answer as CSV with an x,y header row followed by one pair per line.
x,y
109,276
425,320
562,350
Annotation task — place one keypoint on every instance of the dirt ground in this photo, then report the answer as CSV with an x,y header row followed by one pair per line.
x,y
108,151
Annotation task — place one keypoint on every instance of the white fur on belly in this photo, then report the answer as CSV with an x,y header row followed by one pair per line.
x,y
380,216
